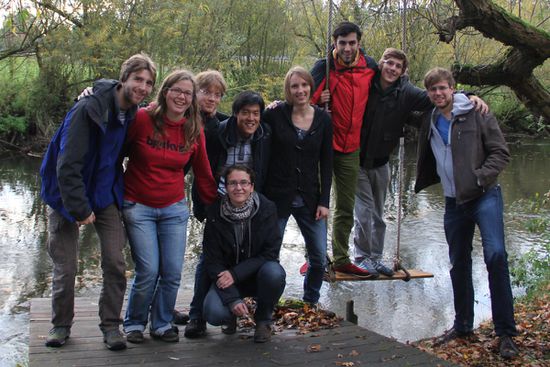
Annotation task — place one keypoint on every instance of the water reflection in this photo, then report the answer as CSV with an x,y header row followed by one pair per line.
x,y
406,311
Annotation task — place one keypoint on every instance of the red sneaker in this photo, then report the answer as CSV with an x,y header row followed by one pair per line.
x,y
303,268
350,268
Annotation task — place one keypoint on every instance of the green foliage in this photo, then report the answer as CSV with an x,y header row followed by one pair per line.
x,y
532,269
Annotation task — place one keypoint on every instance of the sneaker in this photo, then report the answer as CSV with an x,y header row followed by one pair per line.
x,y
135,337
507,348
449,335
57,336
180,318
303,268
352,269
383,269
231,326
195,328
262,332
170,336
366,264
114,340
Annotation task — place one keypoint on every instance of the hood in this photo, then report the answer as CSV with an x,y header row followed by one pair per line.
x,y
461,105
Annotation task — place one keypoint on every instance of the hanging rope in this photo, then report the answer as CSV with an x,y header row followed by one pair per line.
x,y
329,47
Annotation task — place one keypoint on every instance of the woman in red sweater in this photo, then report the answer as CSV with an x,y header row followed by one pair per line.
x,y
161,141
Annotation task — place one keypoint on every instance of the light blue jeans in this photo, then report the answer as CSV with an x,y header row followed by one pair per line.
x,y
157,239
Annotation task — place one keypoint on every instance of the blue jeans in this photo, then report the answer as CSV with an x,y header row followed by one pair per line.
x,y
315,236
267,287
200,289
459,222
157,239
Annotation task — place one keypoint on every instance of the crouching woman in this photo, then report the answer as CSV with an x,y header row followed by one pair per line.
x,y
241,248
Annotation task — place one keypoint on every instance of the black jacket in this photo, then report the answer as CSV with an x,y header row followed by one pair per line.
x,y
386,114
262,243
303,167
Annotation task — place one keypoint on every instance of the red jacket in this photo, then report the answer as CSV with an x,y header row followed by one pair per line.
x,y
349,91
155,175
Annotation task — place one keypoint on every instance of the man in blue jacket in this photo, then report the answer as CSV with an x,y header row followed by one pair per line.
x,y
466,151
82,184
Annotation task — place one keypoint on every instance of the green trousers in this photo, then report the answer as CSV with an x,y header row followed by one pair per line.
x,y
345,172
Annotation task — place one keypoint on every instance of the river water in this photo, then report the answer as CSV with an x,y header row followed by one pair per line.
x,y
405,311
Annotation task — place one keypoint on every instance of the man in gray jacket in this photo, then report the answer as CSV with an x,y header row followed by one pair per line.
x,y
466,151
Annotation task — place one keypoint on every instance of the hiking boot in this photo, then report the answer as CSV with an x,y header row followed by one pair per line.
x,y
180,318
230,327
507,348
366,264
57,336
303,268
195,328
383,269
262,332
449,335
349,268
135,337
114,340
170,336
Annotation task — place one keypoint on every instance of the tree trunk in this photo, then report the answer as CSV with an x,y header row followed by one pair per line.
x,y
529,48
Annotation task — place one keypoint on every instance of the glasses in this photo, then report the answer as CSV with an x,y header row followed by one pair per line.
x,y
242,183
391,63
215,95
436,88
178,92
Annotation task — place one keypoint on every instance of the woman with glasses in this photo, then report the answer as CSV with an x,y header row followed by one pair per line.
x,y
300,169
241,247
162,140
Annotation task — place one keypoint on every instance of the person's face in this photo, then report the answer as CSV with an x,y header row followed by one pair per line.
x,y
248,120
136,88
209,99
299,90
441,95
347,47
390,70
178,99
239,188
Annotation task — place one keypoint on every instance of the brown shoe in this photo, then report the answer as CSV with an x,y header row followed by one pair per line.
x,y
507,348
449,335
262,334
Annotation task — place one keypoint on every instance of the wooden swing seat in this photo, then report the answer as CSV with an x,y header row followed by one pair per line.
x,y
399,275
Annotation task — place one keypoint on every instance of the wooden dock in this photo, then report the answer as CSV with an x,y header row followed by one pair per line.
x,y
347,345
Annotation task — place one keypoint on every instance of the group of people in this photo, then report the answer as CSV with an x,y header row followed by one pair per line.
x,y
252,171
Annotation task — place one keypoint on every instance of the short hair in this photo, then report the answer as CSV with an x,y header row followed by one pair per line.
x,y
247,98
437,75
345,28
396,54
209,78
239,167
302,73
137,63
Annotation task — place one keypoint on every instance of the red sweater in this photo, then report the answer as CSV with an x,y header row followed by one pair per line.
x,y
155,176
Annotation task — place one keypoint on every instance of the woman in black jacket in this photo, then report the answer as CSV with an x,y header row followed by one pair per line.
x,y
241,246
300,171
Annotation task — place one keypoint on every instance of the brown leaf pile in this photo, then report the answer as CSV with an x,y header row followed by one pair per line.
x,y
533,341
293,314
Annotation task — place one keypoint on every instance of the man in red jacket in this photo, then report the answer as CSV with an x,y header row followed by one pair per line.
x,y
350,76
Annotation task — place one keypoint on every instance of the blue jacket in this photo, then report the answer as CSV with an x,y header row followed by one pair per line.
x,y
82,169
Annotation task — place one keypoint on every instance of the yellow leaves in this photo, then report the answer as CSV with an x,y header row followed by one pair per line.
x,y
312,348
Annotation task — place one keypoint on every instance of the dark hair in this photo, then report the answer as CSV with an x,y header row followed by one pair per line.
x,y
345,28
239,167
396,54
135,64
192,127
437,75
247,98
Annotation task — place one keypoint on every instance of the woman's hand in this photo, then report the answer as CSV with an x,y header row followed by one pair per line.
x,y
225,280
321,213
240,309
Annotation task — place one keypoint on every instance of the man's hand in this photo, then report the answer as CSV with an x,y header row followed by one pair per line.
x,y
479,104
225,280
321,213
325,97
89,220
273,104
240,309
86,92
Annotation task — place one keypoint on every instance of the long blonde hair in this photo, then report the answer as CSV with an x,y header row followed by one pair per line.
x,y
192,127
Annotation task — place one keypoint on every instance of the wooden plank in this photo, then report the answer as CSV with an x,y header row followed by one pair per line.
x,y
399,275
